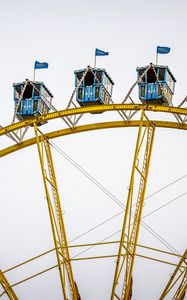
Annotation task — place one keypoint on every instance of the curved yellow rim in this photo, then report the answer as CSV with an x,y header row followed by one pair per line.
x,y
90,127
92,109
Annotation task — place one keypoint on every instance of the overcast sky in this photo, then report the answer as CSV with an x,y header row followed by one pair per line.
x,y
65,34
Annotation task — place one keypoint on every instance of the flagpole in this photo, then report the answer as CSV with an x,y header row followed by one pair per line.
x,y
95,62
156,58
34,74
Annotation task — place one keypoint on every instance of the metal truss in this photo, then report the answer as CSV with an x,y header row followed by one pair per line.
x,y
7,287
122,283
123,278
132,108
56,218
72,116
179,275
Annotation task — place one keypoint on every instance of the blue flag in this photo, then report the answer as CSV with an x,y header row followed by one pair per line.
x,y
163,50
99,52
39,65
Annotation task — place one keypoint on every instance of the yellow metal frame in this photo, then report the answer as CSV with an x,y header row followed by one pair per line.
x,y
93,109
181,272
131,225
7,287
56,217
90,127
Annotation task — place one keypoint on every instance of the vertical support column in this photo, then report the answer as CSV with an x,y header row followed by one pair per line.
x,y
56,218
182,276
122,283
7,287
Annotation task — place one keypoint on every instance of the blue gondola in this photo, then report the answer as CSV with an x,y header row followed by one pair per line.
x,y
96,88
34,101
157,85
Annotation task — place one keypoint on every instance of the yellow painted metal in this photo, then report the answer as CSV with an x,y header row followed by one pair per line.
x,y
88,258
131,224
35,275
56,218
7,287
99,244
136,254
92,109
178,274
125,260
90,127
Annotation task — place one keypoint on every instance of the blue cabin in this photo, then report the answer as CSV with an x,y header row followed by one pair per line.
x,y
31,98
95,88
157,85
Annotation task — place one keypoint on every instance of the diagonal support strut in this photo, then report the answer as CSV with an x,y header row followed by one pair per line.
x,y
56,218
123,281
179,274
7,287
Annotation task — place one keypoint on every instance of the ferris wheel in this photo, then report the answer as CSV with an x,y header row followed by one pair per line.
x,y
95,110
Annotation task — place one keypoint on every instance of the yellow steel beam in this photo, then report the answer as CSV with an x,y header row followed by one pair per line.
x,y
93,245
33,276
132,233
136,254
131,223
92,109
179,274
56,218
89,258
90,127
7,287
181,291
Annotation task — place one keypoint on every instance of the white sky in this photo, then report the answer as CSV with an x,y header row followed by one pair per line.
x,y
65,34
